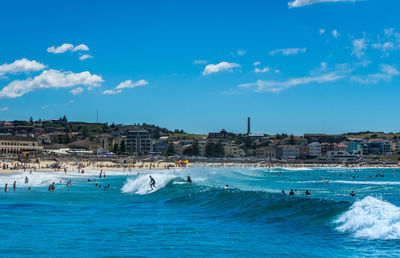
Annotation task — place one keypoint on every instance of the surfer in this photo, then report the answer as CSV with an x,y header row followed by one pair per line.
x,y
188,180
325,181
152,182
307,192
352,194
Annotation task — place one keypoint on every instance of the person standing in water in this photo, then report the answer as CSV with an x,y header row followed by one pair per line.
x,y
14,185
152,182
189,180
26,180
5,188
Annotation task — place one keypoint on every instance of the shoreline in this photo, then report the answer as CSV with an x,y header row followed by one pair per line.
x,y
74,165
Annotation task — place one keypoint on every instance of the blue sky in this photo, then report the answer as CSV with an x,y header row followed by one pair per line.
x,y
293,66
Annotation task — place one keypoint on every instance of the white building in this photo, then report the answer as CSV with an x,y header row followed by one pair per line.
x,y
340,156
315,149
287,152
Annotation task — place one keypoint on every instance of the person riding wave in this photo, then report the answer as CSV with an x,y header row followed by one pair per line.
x,y
152,183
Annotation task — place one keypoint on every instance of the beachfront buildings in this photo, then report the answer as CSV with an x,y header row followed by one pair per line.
x,y
19,146
223,134
315,149
232,150
304,151
267,152
379,146
287,152
138,142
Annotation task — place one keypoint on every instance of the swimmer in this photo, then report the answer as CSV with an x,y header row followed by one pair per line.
x,y
352,194
307,192
291,192
283,192
226,186
188,180
152,182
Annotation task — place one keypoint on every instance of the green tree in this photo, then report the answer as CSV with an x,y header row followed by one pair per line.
x,y
291,140
170,149
211,149
195,148
85,132
122,147
219,148
115,148
247,142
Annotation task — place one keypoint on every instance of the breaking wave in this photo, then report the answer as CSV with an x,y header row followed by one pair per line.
x,y
371,218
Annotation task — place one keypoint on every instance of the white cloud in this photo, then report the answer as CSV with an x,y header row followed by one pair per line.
x,y
111,92
335,34
387,46
241,52
76,91
277,71
388,32
359,47
223,66
288,51
392,41
67,47
277,86
128,84
61,49
85,56
131,84
4,109
256,63
45,107
301,3
386,73
50,79
321,31
80,47
21,65
200,62
263,70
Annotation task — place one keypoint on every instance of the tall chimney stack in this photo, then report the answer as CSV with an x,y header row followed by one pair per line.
x,y
248,125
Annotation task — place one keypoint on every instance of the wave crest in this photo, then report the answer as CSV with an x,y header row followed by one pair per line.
x,y
140,185
371,218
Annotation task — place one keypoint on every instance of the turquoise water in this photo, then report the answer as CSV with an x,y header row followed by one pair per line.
x,y
250,218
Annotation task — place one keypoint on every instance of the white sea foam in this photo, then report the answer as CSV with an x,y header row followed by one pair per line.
x,y
366,182
371,218
297,169
346,182
140,185
36,179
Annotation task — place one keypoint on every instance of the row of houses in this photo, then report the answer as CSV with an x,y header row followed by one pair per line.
x,y
349,150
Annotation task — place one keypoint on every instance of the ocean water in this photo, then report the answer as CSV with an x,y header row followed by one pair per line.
x,y
249,219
